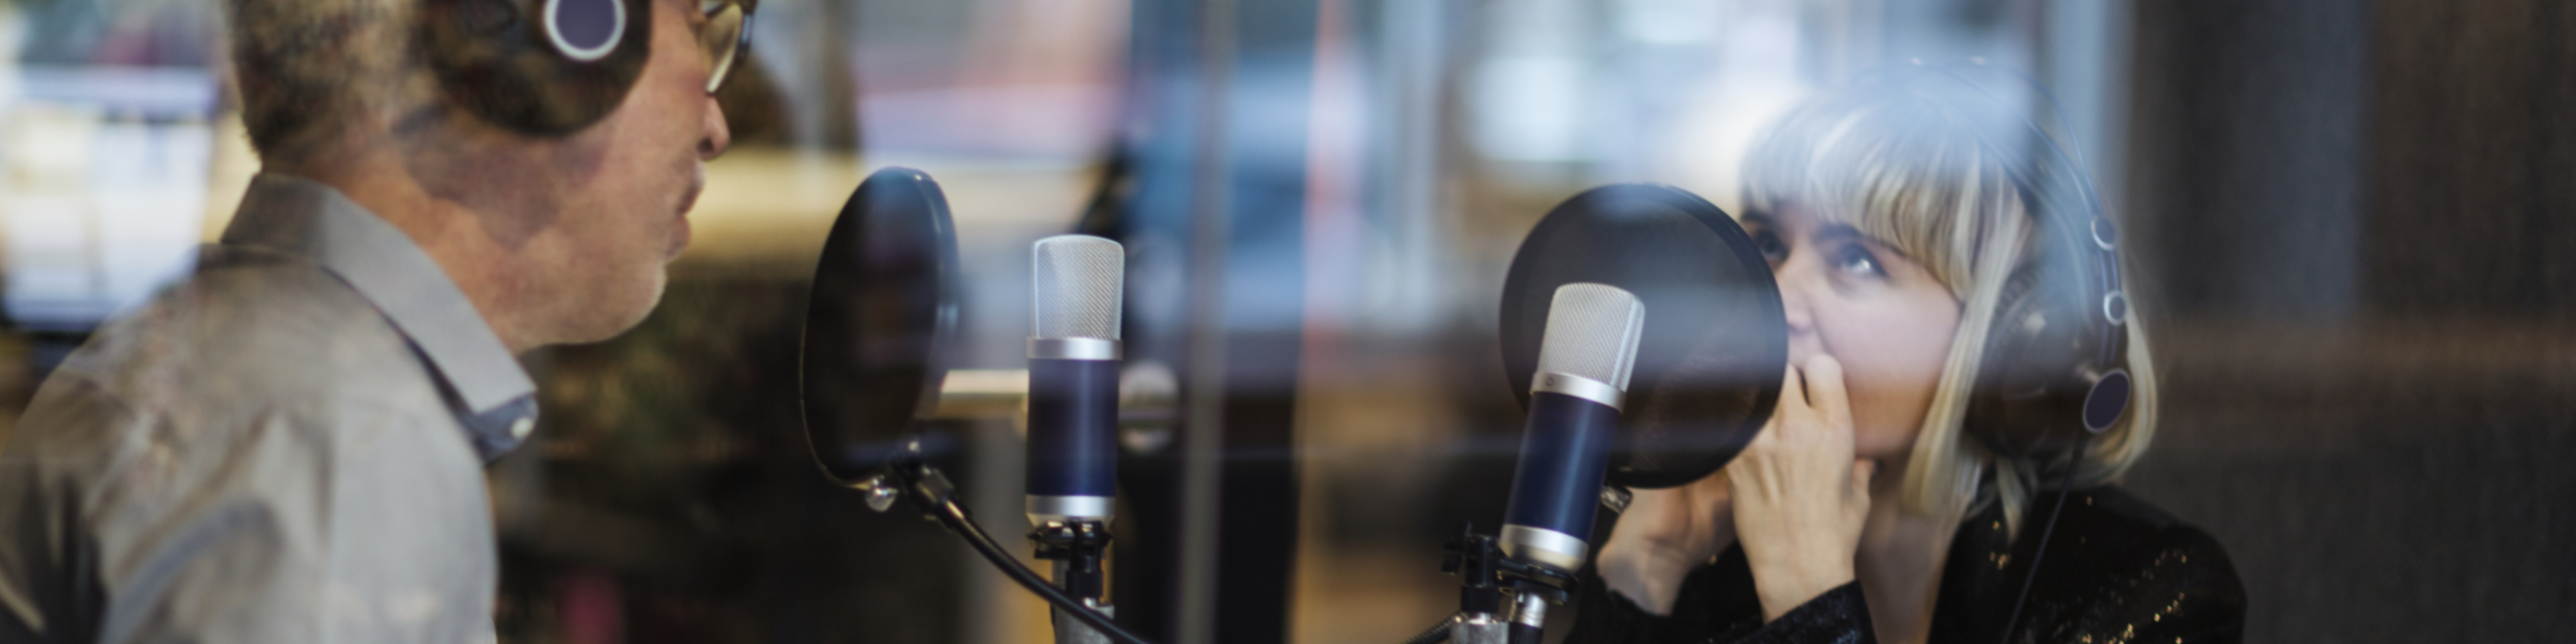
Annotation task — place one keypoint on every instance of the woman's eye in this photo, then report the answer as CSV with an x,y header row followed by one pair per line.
x,y
1772,248
1856,259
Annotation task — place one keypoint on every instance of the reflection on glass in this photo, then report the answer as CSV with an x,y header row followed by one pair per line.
x,y
2347,223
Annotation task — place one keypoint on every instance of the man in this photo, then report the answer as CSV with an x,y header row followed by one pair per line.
x,y
287,447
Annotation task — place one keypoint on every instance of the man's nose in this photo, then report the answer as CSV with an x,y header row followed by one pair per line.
x,y
714,135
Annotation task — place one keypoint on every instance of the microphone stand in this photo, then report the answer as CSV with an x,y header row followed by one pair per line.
x,y
1077,548
909,479
1485,577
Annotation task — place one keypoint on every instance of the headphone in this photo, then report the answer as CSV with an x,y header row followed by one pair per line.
x,y
537,67
2055,371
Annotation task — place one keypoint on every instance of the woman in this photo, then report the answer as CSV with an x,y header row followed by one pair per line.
x,y
1898,217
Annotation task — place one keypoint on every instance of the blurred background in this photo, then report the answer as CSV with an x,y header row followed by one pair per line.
x,y
2356,223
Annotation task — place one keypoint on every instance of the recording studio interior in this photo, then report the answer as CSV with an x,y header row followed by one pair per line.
x,y
1264,321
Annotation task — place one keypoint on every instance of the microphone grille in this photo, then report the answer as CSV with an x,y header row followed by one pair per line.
x,y
1079,282
1592,331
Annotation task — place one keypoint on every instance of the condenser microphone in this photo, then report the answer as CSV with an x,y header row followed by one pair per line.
x,y
1585,356
1073,378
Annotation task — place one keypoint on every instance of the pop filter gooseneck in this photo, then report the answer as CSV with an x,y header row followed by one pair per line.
x,y
1708,369
878,325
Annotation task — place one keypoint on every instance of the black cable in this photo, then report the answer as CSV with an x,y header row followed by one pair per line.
x,y
1438,633
2065,488
954,517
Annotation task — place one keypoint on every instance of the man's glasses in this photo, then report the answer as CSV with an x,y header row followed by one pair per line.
x,y
725,36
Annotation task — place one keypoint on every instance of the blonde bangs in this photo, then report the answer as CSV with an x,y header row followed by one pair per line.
x,y
1906,175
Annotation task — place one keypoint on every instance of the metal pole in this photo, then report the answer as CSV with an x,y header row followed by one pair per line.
x,y
1203,431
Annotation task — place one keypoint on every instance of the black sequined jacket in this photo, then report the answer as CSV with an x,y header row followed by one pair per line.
x,y
2117,571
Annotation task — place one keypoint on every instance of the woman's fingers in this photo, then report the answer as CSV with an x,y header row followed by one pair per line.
x,y
1825,392
1715,503
1798,497
1792,411
1793,391
1653,546
1792,400
1710,489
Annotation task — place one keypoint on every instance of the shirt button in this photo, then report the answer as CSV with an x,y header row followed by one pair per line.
x,y
519,428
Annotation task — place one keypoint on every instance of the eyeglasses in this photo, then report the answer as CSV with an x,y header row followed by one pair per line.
x,y
724,37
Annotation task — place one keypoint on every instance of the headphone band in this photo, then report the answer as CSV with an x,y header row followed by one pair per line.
x,y
2103,232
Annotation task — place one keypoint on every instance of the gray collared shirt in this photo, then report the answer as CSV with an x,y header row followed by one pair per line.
x,y
286,447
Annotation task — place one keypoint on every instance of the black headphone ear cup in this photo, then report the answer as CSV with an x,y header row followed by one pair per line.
x,y
2031,387
498,61
1999,414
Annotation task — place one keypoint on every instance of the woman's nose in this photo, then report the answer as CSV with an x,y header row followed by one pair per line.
x,y
1797,304
1794,301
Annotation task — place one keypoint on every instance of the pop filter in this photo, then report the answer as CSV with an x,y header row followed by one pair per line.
x,y
1715,344
877,323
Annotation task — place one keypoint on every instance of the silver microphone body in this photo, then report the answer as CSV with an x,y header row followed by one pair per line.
x,y
1079,283
1585,359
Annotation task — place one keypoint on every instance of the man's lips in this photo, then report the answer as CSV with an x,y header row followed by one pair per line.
x,y
680,235
680,228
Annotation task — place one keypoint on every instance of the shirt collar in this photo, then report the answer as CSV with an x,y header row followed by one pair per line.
x,y
314,221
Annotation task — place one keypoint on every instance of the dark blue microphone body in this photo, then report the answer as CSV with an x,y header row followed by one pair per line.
x,y
1073,428
1557,485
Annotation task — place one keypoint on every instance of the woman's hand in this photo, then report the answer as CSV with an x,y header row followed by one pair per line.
x,y
1800,497
1662,536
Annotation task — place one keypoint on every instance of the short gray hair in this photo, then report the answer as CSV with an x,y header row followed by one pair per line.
x,y
307,70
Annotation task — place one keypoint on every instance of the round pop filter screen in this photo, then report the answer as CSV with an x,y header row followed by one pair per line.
x,y
1715,341
877,323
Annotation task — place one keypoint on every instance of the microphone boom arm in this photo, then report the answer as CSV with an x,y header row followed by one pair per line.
x,y
929,491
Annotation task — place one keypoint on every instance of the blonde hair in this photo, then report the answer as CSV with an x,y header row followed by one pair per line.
x,y
1905,165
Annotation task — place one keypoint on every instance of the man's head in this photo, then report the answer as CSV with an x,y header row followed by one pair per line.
x,y
556,238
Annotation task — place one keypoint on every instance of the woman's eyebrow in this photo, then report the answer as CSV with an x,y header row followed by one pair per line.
x,y
1845,232
1838,232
